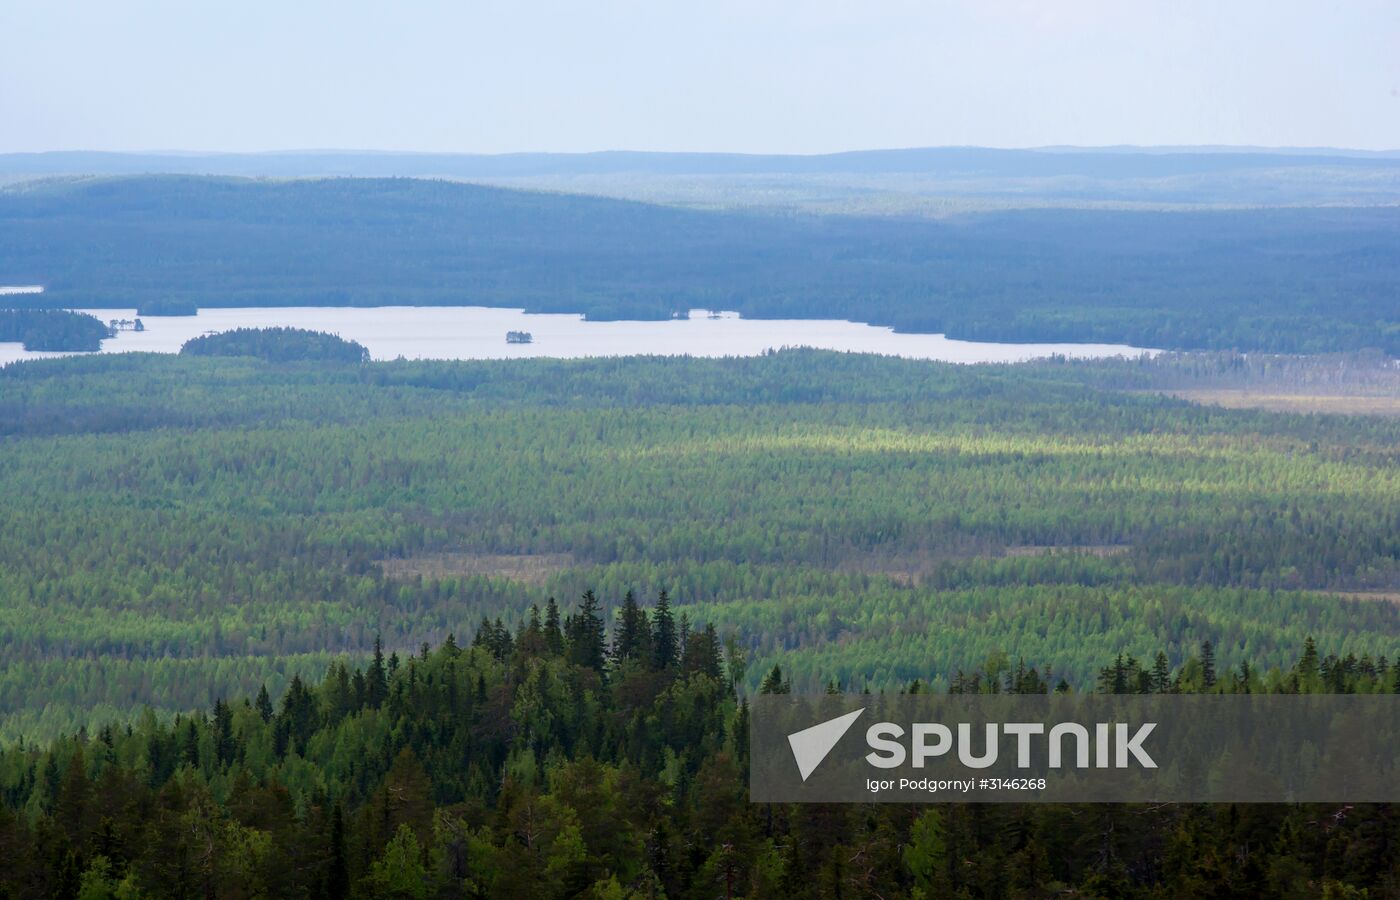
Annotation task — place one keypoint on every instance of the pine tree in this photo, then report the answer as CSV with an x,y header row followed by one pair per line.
x,y
1161,674
1308,666
339,695
530,639
663,633
773,683
1208,664
703,655
631,638
586,634
500,641
553,634
377,679
223,733
264,703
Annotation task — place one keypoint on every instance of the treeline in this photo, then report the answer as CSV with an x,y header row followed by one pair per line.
x,y
53,329
277,345
563,758
1282,280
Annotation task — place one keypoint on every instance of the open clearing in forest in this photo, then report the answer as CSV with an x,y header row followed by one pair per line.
x,y
530,568
910,568
1352,404
1382,596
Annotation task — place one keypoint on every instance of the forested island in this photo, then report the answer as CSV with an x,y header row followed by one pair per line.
x,y
278,345
53,329
1282,280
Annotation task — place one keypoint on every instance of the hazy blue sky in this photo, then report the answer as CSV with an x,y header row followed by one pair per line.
x,y
745,75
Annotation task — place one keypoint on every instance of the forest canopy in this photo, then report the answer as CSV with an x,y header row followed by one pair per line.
x,y
197,526
565,759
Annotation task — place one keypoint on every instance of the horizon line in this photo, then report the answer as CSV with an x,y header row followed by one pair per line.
x,y
1158,149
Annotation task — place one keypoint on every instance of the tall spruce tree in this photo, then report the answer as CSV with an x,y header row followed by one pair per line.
x,y
1161,674
632,638
587,634
663,633
377,678
553,632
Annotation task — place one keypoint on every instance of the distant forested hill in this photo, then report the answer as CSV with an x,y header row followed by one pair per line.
x,y
1293,280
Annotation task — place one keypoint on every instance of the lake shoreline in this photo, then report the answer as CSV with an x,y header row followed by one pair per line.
x,y
480,332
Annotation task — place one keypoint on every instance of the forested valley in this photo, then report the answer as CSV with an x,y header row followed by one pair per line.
x,y
181,529
1298,280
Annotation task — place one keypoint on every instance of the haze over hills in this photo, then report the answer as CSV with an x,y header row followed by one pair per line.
x,y
1125,161
1290,280
934,181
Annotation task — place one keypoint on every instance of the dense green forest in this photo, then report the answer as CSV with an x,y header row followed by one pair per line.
x,y
194,527
278,345
566,759
52,329
1295,280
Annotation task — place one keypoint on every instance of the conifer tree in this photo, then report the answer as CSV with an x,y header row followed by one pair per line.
x,y
1161,674
631,639
1308,667
377,678
553,634
264,703
586,634
773,682
663,633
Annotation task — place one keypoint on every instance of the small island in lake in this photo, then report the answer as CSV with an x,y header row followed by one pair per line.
x,y
519,337
278,345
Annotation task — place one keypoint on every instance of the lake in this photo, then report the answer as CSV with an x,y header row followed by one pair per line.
x,y
476,332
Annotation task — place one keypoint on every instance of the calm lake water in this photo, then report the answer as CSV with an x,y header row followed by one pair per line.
x,y
475,332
